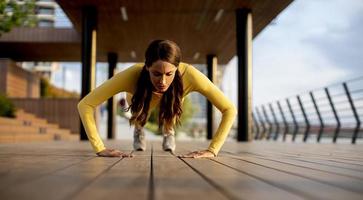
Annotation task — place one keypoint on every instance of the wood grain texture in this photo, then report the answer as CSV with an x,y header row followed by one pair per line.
x,y
256,170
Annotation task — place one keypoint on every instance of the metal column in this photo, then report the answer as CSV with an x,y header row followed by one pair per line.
x,y
244,53
111,102
212,70
89,16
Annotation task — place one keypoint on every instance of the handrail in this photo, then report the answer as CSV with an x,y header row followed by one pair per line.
x,y
307,116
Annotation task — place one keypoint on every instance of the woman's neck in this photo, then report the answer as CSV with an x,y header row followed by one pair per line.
x,y
157,92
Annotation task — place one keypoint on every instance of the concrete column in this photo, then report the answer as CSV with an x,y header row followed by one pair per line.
x,y
89,23
244,53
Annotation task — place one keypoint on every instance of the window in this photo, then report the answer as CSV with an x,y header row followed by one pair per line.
x,y
44,23
46,11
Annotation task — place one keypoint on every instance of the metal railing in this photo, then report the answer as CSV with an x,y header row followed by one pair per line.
x,y
331,112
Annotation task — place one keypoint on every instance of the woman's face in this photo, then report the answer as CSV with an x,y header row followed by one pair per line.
x,y
161,75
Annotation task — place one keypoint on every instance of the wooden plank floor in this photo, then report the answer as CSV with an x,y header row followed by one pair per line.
x,y
256,170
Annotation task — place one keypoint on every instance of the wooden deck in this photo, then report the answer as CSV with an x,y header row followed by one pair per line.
x,y
257,170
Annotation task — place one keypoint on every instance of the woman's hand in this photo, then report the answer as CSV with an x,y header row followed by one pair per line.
x,y
113,153
198,154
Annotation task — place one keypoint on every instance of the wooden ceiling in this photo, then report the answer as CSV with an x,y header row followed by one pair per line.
x,y
190,23
41,44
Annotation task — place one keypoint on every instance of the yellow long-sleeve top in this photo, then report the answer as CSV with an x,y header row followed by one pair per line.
x,y
126,81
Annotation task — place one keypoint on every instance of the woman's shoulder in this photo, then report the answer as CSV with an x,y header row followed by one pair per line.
x,y
188,69
130,73
133,69
137,66
184,68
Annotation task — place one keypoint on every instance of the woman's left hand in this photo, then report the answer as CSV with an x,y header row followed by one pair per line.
x,y
198,154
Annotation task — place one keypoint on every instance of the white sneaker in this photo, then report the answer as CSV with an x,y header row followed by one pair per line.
x,y
128,114
139,140
125,110
169,142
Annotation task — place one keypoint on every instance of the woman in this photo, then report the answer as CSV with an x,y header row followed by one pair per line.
x,y
162,81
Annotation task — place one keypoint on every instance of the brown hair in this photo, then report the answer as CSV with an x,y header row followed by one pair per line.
x,y
170,105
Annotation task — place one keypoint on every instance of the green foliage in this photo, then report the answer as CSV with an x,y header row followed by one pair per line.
x,y
188,111
153,127
152,124
7,108
44,87
47,90
16,13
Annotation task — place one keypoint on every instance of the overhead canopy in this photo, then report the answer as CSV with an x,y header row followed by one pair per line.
x,y
41,44
191,24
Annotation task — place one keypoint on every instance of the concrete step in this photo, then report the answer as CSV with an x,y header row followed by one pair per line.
x,y
30,117
28,126
20,129
22,122
15,135
44,125
11,121
33,120
24,137
32,129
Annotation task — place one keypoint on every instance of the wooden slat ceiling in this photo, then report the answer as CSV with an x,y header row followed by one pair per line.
x,y
190,23
41,44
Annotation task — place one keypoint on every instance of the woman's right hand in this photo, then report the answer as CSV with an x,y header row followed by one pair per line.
x,y
113,153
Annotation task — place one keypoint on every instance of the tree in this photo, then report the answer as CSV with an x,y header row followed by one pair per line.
x,y
7,108
15,13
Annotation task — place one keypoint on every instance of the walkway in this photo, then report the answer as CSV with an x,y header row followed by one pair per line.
x,y
257,170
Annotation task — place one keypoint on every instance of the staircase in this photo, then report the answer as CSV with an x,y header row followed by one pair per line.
x,y
27,127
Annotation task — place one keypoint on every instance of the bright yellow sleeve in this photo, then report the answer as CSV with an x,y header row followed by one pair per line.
x,y
123,81
200,83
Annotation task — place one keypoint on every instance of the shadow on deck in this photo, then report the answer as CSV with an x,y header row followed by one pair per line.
x,y
256,170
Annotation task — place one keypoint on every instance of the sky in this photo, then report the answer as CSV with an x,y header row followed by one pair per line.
x,y
311,44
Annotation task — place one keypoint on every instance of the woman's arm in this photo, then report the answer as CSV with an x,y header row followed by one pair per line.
x,y
123,81
200,83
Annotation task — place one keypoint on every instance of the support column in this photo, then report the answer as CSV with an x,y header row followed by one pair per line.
x,y
212,70
111,102
89,16
244,53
